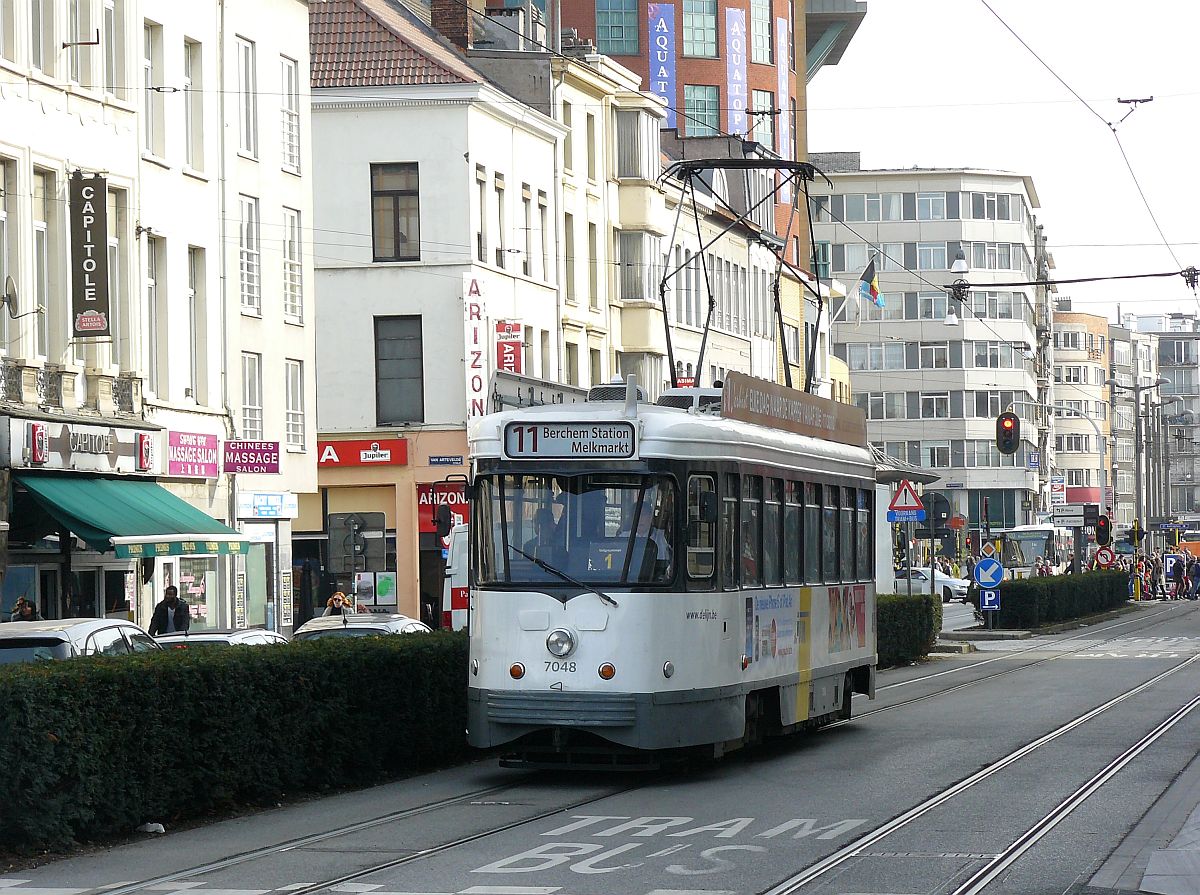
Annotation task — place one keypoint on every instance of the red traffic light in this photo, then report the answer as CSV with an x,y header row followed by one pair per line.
x,y
1006,423
1103,531
1008,432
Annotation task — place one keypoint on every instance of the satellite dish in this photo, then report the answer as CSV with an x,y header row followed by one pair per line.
x,y
10,297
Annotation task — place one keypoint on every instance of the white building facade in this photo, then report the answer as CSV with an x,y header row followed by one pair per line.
x,y
194,119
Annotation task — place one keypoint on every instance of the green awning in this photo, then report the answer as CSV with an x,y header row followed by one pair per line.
x,y
133,518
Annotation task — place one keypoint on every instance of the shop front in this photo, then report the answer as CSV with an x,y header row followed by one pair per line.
x,y
90,531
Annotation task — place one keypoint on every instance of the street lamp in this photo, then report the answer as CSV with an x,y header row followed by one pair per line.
x,y
958,289
1137,445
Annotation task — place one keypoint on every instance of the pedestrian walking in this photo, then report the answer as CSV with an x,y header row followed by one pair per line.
x,y
171,616
1177,574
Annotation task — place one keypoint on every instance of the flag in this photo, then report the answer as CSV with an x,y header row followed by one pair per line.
x,y
868,285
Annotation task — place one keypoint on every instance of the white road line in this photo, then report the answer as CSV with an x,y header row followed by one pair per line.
x,y
511,890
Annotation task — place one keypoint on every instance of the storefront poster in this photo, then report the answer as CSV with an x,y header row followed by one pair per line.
x,y
285,597
192,454
386,588
239,601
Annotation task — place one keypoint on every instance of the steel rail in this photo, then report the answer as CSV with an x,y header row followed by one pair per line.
x,y
810,874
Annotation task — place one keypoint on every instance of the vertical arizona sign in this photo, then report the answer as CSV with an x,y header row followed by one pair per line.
x,y
89,255
476,344
661,23
735,63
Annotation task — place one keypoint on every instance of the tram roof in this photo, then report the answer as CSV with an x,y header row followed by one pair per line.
x,y
673,433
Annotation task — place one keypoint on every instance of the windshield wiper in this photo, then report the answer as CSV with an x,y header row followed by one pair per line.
x,y
542,564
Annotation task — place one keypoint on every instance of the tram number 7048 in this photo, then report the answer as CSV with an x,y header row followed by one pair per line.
x,y
560,666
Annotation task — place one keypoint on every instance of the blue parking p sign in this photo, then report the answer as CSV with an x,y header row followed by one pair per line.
x,y
989,600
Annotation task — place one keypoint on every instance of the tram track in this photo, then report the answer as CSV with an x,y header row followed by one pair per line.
x,y
1092,644
998,863
482,794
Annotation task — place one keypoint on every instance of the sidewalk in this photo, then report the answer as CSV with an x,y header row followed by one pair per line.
x,y
1161,855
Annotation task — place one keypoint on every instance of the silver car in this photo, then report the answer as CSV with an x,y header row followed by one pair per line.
x,y
69,638
363,625
949,588
218,638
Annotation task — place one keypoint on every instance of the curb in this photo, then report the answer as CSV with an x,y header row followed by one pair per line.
x,y
958,647
967,634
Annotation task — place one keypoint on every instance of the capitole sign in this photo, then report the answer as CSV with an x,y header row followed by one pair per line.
x,y
359,452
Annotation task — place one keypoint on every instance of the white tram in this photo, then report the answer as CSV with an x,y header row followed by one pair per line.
x,y
655,580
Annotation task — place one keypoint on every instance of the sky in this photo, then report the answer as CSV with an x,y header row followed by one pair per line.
x,y
943,83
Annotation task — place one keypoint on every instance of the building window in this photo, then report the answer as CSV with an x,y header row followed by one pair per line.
x,y
43,196
114,47
399,371
762,109
41,28
593,267
293,268
637,145
193,105
289,72
572,363
700,27
247,85
294,398
1078,478
481,231
594,360
152,99
569,257
250,256
590,133
568,142
252,397
195,321
701,110
761,32
154,321
527,228
501,229
396,212
934,355
79,29
7,169
931,256
544,233
117,302
931,206
935,406
7,50
617,27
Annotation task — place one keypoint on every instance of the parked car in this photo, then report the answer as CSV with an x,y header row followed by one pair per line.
x,y
949,588
69,638
363,625
211,638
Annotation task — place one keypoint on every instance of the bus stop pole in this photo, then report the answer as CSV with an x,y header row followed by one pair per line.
x,y
908,554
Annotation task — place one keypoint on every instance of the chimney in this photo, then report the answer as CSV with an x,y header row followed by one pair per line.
x,y
456,20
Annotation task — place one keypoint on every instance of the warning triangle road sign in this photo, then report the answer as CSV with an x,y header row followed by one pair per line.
x,y
906,498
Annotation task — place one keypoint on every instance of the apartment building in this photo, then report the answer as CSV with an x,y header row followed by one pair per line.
x,y
154,230
1177,426
933,373
1083,362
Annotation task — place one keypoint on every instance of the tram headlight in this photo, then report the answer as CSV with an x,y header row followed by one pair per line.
x,y
560,643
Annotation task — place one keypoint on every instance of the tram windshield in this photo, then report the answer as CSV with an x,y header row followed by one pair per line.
x,y
598,528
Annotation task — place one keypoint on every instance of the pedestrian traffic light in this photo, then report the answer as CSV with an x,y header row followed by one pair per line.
x,y
1008,432
1103,531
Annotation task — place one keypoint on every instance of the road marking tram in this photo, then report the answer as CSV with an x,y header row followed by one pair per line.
x,y
684,577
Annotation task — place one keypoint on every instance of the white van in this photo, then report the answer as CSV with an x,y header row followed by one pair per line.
x,y
455,595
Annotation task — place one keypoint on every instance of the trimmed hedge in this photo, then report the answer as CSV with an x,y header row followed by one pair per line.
x,y
97,746
1033,602
906,627
91,751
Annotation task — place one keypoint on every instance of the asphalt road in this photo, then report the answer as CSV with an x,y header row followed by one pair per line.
x,y
1016,769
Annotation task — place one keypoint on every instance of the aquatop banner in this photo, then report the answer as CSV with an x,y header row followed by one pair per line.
x,y
735,62
662,55
783,127
89,255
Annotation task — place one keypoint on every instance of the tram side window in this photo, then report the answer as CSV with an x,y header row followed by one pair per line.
x,y
772,530
791,532
864,536
752,487
846,544
829,534
729,532
812,534
701,526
